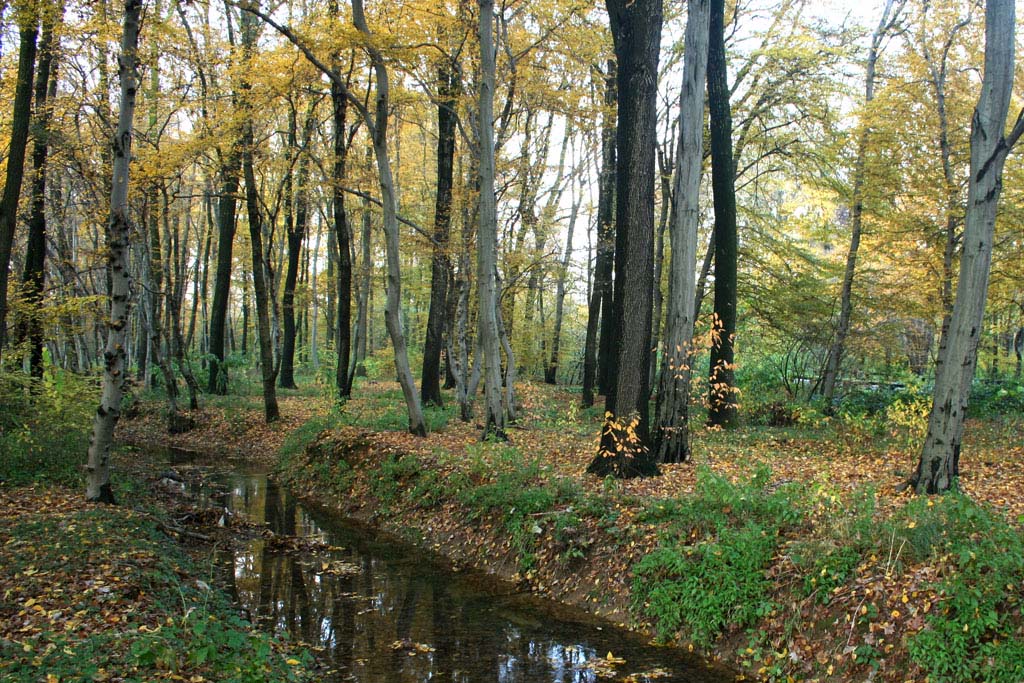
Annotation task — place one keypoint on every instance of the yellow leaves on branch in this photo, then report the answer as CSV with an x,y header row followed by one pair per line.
x,y
622,436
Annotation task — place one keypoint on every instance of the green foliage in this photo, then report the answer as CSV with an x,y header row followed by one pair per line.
x,y
709,572
974,634
45,426
829,560
706,587
996,398
520,497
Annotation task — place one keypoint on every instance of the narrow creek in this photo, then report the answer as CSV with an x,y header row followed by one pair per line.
x,y
378,610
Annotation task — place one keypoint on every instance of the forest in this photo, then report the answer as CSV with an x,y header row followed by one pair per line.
x,y
717,302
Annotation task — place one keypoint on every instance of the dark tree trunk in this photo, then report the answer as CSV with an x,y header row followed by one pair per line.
x,y
343,245
34,274
448,92
21,117
723,407
625,439
226,205
259,268
595,352
296,234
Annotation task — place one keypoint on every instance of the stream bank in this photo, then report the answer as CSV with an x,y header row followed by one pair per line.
x,y
811,570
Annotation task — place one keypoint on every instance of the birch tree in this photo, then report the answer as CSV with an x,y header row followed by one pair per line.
x,y
97,468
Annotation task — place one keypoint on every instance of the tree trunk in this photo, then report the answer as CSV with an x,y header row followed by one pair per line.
x,y
259,269
34,275
487,236
226,205
388,199
363,296
625,437
97,469
722,394
835,354
551,371
449,90
938,466
672,433
595,352
21,117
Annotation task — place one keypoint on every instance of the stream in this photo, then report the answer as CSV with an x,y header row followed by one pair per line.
x,y
378,610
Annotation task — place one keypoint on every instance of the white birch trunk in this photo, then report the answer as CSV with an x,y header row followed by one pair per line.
x,y
97,468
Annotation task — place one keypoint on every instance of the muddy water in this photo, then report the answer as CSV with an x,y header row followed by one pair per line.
x,y
379,610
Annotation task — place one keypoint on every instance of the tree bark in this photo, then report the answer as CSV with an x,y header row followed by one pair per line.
x,y
938,466
595,351
21,118
625,440
672,433
449,90
268,370
722,393
34,274
487,237
389,201
551,371
97,469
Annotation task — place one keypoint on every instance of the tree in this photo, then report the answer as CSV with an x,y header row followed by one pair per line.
x,y
487,237
625,438
448,91
939,464
34,274
97,469
672,435
599,323
268,369
722,398
21,116
890,15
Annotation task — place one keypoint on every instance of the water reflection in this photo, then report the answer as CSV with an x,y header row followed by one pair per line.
x,y
384,613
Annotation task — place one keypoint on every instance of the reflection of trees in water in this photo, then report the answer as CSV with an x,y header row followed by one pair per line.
x,y
356,618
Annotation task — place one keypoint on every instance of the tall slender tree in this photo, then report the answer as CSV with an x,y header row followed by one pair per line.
x,y
890,15
672,436
34,274
21,117
625,439
487,236
97,469
939,463
722,395
599,318
448,91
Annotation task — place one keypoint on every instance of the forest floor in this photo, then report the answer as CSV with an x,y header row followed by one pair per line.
x,y
787,552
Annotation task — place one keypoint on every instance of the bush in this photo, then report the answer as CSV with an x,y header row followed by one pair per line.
x,y
45,426
709,572
976,635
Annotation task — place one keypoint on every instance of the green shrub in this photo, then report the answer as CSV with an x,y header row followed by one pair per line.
x,y
975,632
45,426
709,572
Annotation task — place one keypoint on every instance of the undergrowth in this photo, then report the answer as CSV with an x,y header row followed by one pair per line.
x,y
710,570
